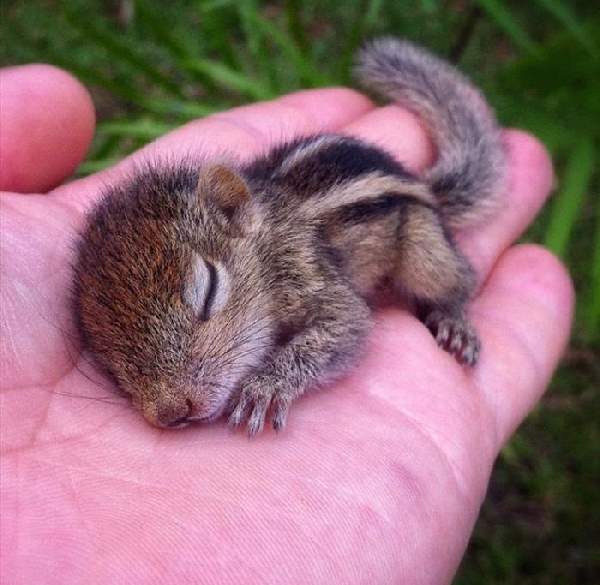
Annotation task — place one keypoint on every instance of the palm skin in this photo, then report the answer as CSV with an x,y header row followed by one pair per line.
x,y
377,480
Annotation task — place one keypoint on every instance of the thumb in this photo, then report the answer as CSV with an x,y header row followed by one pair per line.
x,y
46,125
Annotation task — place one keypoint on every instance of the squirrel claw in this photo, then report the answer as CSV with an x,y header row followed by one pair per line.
x,y
456,336
252,408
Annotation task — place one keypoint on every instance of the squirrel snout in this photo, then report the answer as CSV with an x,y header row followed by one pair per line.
x,y
169,413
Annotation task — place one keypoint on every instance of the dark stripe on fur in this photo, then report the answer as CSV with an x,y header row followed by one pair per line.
x,y
331,164
374,209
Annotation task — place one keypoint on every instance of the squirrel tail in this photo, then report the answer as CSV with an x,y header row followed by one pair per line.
x,y
466,177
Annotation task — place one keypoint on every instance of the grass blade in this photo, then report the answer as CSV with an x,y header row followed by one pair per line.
x,y
249,14
210,5
144,128
186,110
498,12
355,36
178,46
296,26
93,166
567,17
228,78
104,146
309,74
120,50
570,199
374,9
592,307
218,31
429,6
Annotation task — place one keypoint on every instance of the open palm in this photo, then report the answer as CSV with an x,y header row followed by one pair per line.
x,y
377,480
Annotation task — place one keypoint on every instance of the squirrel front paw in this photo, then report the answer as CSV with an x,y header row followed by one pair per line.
x,y
455,335
256,397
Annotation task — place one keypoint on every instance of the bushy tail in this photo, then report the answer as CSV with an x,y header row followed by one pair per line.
x,y
469,169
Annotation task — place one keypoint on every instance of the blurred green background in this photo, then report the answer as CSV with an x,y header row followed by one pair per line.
x,y
153,65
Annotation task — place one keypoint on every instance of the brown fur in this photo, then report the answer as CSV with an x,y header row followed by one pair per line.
x,y
427,265
212,289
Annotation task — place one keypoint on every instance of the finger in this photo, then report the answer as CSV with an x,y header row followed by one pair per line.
x,y
47,120
241,133
524,315
528,184
397,131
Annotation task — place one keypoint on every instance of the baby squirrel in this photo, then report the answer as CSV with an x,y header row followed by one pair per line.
x,y
217,289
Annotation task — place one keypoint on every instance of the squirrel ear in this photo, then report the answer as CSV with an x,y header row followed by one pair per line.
x,y
224,186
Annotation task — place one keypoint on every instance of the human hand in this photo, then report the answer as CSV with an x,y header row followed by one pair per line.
x,y
378,479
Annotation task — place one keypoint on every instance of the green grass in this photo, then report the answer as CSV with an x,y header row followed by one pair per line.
x,y
152,66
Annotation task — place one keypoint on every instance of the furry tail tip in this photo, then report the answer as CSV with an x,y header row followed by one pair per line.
x,y
468,174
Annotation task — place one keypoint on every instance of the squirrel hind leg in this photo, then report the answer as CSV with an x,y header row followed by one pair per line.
x,y
432,271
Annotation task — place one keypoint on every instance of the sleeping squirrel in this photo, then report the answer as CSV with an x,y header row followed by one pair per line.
x,y
225,289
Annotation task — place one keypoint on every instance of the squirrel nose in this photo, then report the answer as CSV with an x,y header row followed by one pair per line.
x,y
171,415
